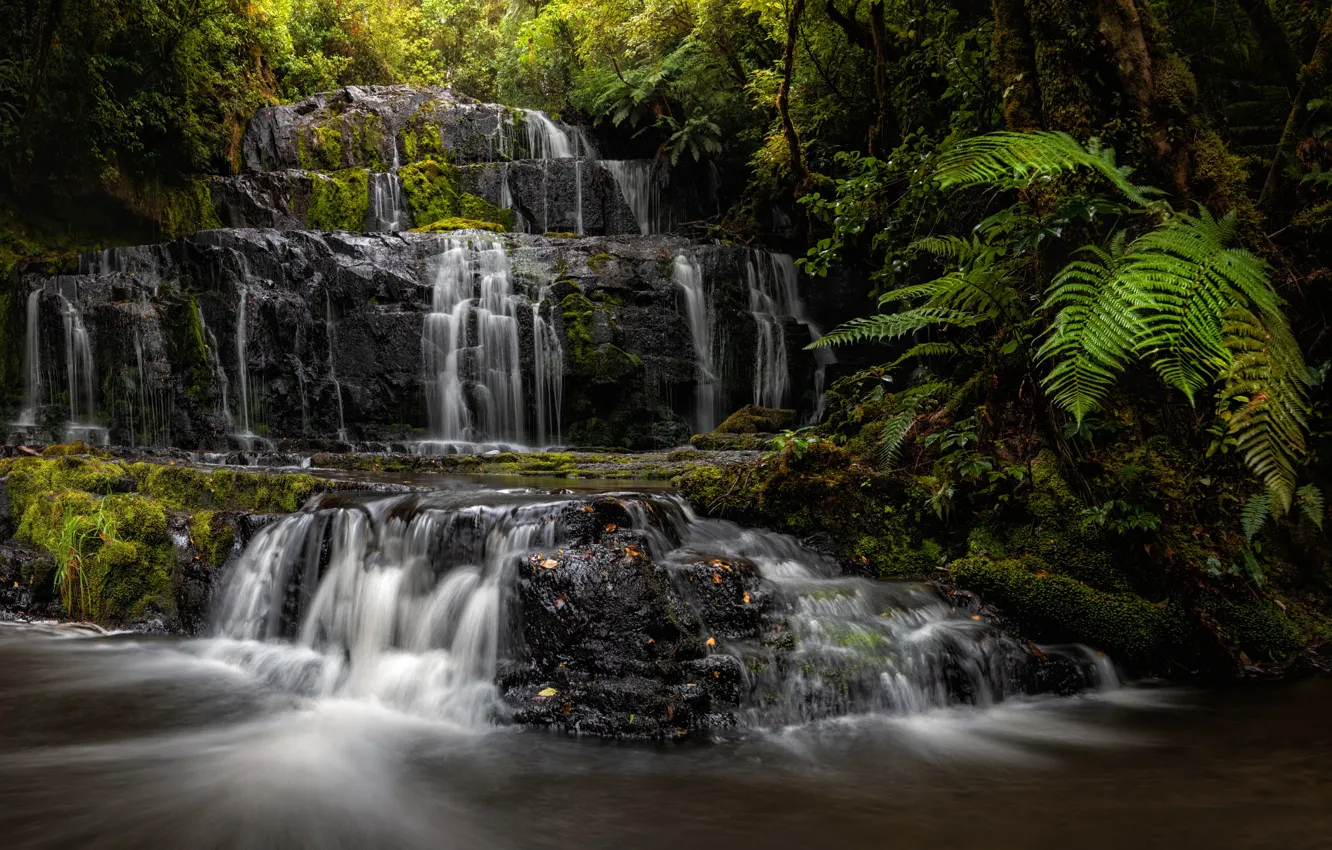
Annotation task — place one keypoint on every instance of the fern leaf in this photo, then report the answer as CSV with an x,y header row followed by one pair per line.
x,y
1004,157
1254,514
889,326
1310,499
893,437
924,349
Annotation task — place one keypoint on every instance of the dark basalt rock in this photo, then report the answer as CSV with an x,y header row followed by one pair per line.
x,y
614,647
162,323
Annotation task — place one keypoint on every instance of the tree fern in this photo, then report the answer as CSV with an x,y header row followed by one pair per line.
x,y
1007,157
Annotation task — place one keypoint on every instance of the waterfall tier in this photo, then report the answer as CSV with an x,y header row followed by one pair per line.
x,y
237,337
621,615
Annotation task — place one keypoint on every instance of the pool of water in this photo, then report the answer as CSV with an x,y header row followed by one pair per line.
x,y
123,742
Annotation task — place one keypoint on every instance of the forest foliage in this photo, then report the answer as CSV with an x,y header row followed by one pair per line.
x,y
987,166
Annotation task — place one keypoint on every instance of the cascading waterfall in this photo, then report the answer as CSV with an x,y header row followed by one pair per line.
x,y
634,179
245,436
548,375
151,400
408,609
774,294
699,317
332,370
471,347
81,374
32,363
408,601
388,206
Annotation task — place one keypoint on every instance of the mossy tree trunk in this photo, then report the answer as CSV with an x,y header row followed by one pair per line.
x,y
796,160
873,39
1015,66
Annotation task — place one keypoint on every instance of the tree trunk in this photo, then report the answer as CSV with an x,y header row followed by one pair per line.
x,y
796,160
882,134
1015,65
1311,76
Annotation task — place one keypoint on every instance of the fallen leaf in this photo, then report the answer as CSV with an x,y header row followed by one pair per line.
x,y
550,563
716,578
712,641
610,526
975,616
587,508
716,674
547,692
651,641
746,597
632,552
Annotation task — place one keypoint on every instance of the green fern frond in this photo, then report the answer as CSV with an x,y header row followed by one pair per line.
x,y
924,349
1004,157
888,326
1198,311
1254,514
1310,499
893,437
953,248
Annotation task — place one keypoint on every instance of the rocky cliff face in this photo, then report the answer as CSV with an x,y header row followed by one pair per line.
x,y
235,335
537,308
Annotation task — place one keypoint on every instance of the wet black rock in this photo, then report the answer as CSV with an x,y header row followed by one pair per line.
x,y
615,648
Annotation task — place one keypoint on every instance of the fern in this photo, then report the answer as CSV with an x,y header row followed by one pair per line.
x,y
889,326
1310,500
1007,157
924,349
1199,312
1254,514
897,426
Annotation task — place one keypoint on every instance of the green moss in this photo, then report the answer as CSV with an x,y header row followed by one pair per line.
x,y
598,262
1256,627
752,419
339,201
479,209
448,225
213,536
560,234
183,488
319,146
1058,608
118,543
188,209
421,137
431,190
32,477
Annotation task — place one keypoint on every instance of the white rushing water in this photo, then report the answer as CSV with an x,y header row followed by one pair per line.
x,y
245,436
388,204
470,347
32,362
548,375
699,316
332,368
634,179
774,296
81,374
408,601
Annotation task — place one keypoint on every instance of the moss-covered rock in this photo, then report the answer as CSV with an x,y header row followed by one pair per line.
x,y
448,225
1055,607
189,208
339,201
433,198
213,535
752,419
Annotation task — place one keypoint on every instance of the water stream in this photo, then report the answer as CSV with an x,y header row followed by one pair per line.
x,y
344,697
699,316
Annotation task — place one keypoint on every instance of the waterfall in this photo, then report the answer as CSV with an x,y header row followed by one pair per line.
x,y
32,363
388,206
412,601
245,435
80,372
699,317
470,347
219,374
634,178
545,139
153,402
332,371
774,294
548,375
408,609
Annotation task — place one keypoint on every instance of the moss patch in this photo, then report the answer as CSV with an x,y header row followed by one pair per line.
x,y
1059,608
339,201
447,225
752,419
212,535
431,188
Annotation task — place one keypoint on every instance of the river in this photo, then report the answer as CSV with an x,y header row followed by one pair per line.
x,y
130,741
